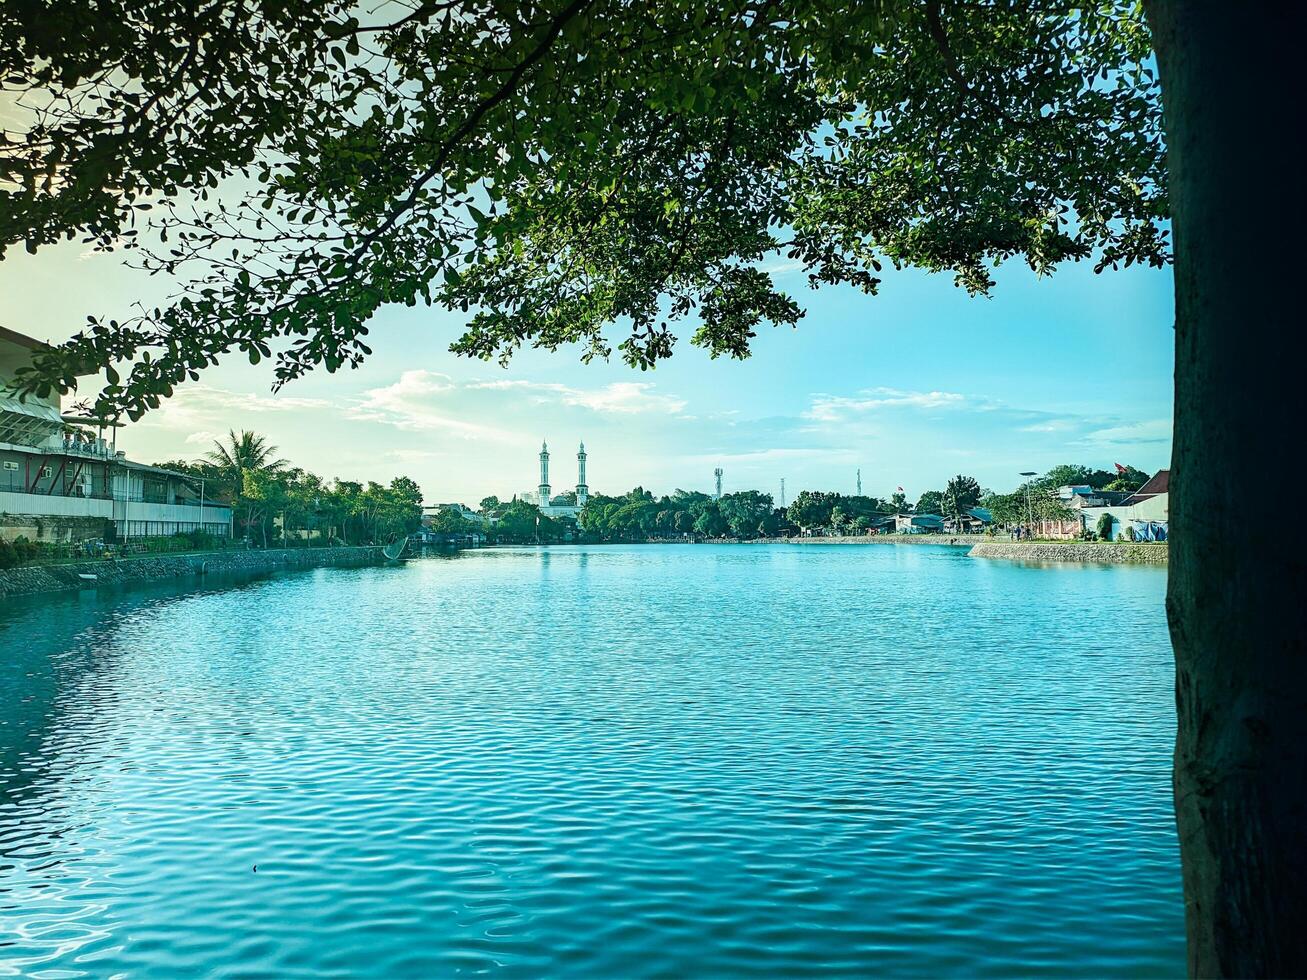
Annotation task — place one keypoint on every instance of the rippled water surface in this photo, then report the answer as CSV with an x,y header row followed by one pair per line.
x,y
611,761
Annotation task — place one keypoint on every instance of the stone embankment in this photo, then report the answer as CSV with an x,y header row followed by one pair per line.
x,y
1103,552
30,579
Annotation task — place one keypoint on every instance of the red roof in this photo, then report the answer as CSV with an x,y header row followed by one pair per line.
x,y
1160,483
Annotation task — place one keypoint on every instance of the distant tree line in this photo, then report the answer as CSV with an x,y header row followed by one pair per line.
x,y
265,491
746,515
639,515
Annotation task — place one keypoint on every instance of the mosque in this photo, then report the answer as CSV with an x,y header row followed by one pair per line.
x,y
560,506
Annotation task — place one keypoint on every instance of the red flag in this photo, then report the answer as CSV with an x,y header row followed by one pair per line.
x,y
900,489
1119,468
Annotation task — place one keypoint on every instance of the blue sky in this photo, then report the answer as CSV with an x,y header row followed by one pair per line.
x,y
913,386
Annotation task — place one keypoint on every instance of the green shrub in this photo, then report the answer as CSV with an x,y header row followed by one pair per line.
x,y
8,557
1105,527
23,549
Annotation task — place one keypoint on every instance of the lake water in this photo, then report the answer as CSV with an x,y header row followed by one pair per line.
x,y
610,761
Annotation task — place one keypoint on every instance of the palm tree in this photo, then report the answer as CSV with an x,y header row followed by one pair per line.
x,y
245,452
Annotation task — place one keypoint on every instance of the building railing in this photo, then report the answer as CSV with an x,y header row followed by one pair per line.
x,y
81,492
12,483
91,450
155,497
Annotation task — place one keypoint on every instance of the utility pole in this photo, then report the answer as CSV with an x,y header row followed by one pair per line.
x,y
1030,514
718,474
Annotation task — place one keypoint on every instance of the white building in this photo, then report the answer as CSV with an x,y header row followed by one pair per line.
x,y
562,505
1144,512
60,480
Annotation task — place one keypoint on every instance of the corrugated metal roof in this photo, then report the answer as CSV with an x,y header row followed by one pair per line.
x,y
34,409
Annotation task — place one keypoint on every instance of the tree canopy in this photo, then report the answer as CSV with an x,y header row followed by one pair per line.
x,y
960,495
556,167
245,472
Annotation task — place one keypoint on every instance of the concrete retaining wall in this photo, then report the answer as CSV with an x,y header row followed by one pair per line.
x,y
154,568
1081,551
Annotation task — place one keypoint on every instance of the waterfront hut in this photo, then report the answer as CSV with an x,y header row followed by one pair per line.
x,y
919,524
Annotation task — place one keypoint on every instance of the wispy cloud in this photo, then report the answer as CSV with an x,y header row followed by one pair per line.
x,y
423,400
204,411
1132,434
619,397
203,438
625,398
412,404
1053,425
837,408
222,399
511,384
780,266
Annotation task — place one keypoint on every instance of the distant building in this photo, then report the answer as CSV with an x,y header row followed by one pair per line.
x,y
972,522
1145,513
562,505
919,524
1080,496
60,480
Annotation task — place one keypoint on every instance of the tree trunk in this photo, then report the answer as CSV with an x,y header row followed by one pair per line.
x,y
1232,94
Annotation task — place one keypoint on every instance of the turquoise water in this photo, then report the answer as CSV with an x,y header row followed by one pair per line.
x,y
659,761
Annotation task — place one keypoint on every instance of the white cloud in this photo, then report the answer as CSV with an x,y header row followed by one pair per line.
x,y
407,404
625,398
619,397
780,266
1152,430
221,398
204,412
203,438
206,398
506,384
420,402
1052,425
835,408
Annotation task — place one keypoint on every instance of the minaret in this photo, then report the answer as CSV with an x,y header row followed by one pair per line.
x,y
544,474
582,491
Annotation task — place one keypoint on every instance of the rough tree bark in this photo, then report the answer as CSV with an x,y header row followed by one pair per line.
x,y
1233,96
